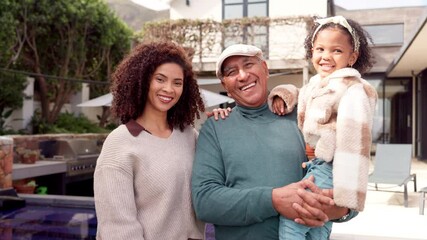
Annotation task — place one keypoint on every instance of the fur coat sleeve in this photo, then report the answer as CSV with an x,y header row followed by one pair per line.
x,y
353,142
288,93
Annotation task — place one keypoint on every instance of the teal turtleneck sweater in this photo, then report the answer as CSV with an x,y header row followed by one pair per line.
x,y
238,162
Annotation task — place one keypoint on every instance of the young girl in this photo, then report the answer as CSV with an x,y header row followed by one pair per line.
x,y
335,113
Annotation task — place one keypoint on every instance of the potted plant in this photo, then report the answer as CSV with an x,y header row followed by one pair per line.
x,y
28,188
28,156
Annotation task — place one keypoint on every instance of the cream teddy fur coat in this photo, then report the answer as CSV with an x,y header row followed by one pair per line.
x,y
335,115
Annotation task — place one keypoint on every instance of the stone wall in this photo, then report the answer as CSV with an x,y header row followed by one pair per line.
x,y
6,162
31,142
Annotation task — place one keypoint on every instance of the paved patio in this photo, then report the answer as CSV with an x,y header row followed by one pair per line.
x,y
385,217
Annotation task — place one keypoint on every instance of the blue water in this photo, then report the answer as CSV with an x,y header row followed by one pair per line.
x,y
48,223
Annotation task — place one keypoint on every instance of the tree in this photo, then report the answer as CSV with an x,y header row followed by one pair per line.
x,y
79,39
8,23
11,96
12,85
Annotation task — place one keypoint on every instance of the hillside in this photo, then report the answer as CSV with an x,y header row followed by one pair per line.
x,y
135,15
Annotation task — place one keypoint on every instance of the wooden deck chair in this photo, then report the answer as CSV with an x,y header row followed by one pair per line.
x,y
393,166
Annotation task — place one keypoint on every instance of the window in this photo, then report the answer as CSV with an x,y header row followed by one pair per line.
x,y
256,35
388,34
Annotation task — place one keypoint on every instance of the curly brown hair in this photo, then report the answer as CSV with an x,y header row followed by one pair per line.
x,y
132,79
365,59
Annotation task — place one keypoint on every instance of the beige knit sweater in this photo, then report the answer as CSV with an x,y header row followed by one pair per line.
x,y
142,186
335,115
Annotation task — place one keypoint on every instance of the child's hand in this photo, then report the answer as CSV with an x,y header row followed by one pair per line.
x,y
223,112
306,165
278,106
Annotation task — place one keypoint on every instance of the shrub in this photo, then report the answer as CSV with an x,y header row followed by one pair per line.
x,y
66,123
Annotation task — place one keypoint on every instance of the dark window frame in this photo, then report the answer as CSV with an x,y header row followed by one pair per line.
x,y
395,42
245,5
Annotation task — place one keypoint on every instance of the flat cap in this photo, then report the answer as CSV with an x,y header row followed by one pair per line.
x,y
236,50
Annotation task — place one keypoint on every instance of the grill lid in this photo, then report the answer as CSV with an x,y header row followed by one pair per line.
x,y
77,147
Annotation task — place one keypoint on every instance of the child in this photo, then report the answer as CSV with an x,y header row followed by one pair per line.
x,y
335,113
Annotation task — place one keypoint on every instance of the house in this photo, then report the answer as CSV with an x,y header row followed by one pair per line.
x,y
281,40
279,29
399,43
411,63
400,72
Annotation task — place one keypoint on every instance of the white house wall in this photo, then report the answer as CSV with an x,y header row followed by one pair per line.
x,y
283,8
198,9
212,9
288,39
22,117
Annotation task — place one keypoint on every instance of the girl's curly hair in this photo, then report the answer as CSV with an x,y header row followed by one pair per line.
x,y
132,78
365,59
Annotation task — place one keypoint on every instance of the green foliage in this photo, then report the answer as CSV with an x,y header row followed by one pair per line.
x,y
3,128
11,94
207,37
199,35
71,39
8,23
66,123
111,126
80,124
39,124
11,97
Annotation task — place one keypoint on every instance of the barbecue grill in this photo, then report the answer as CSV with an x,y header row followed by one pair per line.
x,y
80,156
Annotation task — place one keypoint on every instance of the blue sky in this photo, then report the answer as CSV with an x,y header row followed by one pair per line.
x,y
363,4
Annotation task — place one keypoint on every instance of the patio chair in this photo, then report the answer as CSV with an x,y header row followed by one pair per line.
x,y
393,166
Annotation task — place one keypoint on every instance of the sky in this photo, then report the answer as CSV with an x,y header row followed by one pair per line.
x,y
363,4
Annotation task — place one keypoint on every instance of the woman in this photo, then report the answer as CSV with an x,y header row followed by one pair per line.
x,y
142,177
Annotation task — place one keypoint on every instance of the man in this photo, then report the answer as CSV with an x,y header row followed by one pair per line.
x,y
247,168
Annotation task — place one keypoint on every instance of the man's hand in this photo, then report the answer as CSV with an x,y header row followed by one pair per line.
x,y
295,202
306,211
219,112
334,212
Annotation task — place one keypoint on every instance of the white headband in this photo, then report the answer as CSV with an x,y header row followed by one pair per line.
x,y
341,21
